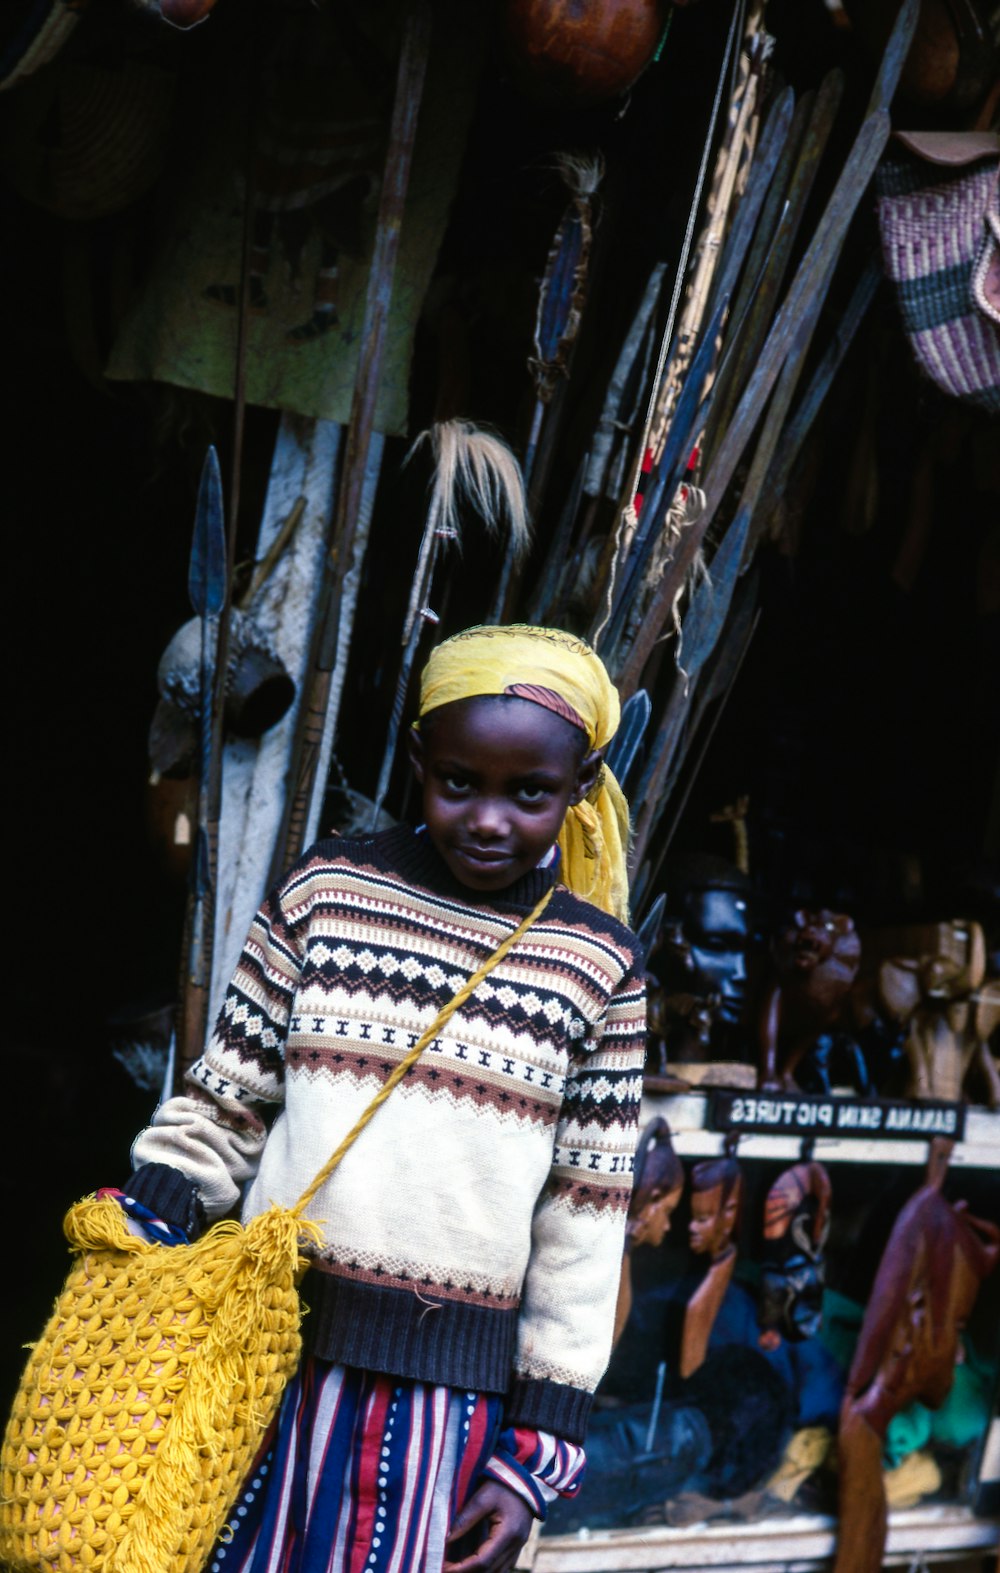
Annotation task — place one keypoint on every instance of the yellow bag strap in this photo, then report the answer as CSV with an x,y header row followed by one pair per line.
x,y
414,1054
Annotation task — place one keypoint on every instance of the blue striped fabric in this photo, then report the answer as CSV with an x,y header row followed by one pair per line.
x,y
364,1473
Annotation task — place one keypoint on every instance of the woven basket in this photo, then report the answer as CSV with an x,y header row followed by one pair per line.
x,y
934,219
202,1335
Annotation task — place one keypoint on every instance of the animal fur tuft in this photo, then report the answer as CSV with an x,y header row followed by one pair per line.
x,y
477,467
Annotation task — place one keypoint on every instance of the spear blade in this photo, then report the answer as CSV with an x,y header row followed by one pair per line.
x,y
621,752
207,567
649,929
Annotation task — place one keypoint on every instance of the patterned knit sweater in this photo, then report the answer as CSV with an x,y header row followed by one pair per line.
x,y
473,1233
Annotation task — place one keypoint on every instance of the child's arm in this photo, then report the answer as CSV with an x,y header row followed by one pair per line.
x,y
206,1142
571,1286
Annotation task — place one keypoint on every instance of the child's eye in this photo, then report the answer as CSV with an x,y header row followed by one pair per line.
x,y
532,794
456,783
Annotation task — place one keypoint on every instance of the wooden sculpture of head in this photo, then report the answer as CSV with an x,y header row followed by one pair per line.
x,y
716,1192
659,1184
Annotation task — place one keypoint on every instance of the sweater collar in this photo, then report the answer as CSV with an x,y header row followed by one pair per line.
x,y
416,859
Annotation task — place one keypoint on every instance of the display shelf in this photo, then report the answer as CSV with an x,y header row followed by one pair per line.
x,y
801,1543
687,1113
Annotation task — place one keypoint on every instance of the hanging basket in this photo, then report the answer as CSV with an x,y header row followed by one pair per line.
x,y
937,213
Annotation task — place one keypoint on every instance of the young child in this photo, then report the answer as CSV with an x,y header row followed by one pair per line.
x,y
460,1310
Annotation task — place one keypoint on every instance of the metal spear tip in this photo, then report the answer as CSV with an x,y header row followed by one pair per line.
x,y
207,569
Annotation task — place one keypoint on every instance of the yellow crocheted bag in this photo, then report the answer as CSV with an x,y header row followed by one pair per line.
x,y
146,1399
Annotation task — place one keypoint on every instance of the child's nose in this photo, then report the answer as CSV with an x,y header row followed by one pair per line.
x,y
489,818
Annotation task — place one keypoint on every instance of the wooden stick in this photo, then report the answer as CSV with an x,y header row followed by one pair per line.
x,y
207,580
761,308
699,760
313,713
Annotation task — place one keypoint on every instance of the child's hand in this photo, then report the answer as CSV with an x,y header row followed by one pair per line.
x,y
509,1520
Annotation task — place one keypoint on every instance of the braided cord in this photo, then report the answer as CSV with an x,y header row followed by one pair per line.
x,y
458,999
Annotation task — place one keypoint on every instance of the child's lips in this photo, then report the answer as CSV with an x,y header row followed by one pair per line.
x,y
483,857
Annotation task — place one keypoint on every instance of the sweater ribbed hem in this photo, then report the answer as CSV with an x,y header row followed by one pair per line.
x,y
401,1334
549,1406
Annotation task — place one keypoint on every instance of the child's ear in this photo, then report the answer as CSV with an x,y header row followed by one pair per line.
x,y
415,748
586,775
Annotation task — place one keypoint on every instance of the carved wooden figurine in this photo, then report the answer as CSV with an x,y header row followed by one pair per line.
x,y
950,1011
679,1029
657,1189
815,961
716,1192
796,1224
697,1031
924,1291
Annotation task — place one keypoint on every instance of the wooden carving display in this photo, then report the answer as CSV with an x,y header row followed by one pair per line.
x,y
815,961
796,1224
924,1291
657,1189
940,994
581,54
716,1192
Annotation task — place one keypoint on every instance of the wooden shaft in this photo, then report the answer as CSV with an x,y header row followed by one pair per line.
x,y
340,559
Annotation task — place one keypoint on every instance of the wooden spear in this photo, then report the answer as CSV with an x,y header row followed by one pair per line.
x,y
813,270
800,423
710,604
687,421
561,298
315,700
628,604
207,591
760,307
616,546
210,579
812,276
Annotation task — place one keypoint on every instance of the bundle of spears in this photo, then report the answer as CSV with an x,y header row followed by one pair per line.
x,y
705,417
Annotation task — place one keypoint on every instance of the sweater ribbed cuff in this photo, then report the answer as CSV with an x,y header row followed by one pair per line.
x,y
170,1194
549,1406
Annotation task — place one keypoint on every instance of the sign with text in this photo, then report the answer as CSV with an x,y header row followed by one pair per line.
x,y
805,1114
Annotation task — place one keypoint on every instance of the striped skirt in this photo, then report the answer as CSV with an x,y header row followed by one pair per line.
x,y
360,1473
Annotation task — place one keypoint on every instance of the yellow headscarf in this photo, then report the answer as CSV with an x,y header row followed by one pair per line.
x,y
554,669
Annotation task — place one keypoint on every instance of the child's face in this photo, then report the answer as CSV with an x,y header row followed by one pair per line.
x,y
498,776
